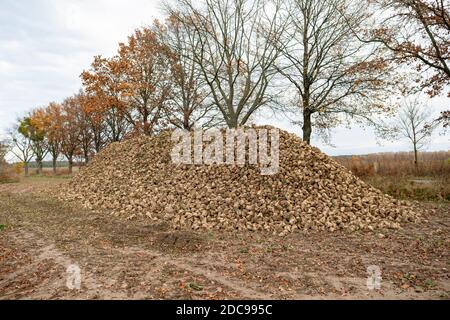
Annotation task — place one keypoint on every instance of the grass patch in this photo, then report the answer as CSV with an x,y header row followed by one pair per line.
x,y
32,178
195,286
413,188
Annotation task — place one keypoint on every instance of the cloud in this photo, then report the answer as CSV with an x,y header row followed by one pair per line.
x,y
104,22
46,44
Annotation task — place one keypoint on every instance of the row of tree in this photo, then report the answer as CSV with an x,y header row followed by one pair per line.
x,y
65,129
220,62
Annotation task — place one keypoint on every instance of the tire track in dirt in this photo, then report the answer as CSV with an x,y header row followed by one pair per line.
x,y
135,260
43,250
188,265
40,251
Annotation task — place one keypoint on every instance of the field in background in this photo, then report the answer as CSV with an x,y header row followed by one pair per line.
x,y
60,171
396,174
398,164
393,173
14,174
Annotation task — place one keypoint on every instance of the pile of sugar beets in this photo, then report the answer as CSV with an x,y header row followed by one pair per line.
x,y
311,191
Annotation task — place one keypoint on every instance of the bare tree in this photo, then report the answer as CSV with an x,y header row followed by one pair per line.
x,y
21,147
235,52
413,124
190,105
417,32
336,76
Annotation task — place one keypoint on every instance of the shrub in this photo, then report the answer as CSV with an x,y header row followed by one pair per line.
x,y
18,168
7,174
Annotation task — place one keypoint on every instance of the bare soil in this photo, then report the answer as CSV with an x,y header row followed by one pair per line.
x,y
137,259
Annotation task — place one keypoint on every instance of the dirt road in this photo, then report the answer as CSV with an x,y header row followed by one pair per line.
x,y
138,259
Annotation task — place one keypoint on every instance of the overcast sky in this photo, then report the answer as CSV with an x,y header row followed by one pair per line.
x,y
46,44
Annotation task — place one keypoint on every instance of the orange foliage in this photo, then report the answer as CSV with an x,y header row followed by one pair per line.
x,y
147,78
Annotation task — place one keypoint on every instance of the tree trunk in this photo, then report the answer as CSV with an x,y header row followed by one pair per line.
x,y
54,165
39,166
307,127
70,165
97,146
86,155
26,166
186,125
416,160
233,122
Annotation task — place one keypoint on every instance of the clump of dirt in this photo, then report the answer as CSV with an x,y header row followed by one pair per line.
x,y
310,192
178,241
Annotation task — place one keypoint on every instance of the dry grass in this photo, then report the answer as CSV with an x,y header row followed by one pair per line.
x,y
7,174
393,173
398,164
396,174
428,189
48,172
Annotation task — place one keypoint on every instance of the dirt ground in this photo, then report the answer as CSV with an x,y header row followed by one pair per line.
x,y
137,259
